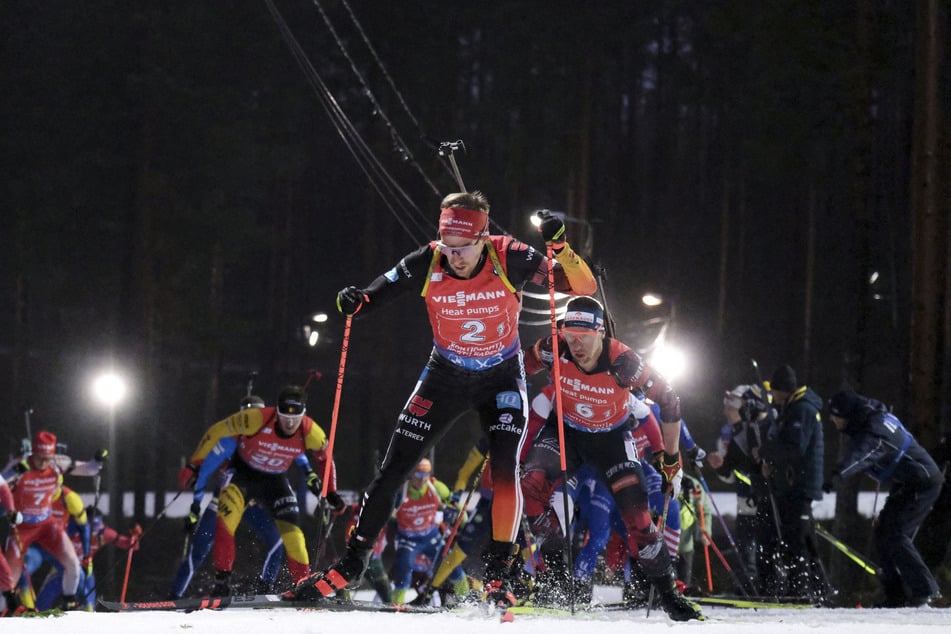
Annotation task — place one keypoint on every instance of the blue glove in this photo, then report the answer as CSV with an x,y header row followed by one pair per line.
x,y
449,514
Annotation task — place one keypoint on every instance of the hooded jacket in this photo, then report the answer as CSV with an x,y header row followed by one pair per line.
x,y
880,446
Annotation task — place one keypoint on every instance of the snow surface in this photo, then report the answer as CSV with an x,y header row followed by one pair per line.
x,y
289,621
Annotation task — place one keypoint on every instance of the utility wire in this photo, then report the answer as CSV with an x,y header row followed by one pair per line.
x,y
386,74
422,135
385,185
379,178
401,145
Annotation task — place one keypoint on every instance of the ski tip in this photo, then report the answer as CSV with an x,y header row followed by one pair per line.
x,y
507,617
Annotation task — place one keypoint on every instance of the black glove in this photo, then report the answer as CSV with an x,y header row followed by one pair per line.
x,y
336,502
22,467
695,457
314,483
829,485
626,369
552,229
101,456
14,517
191,520
450,513
350,300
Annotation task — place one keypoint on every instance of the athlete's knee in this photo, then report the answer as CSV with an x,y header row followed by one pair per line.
x,y
536,488
230,510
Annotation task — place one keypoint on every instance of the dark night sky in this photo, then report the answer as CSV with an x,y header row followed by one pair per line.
x,y
177,197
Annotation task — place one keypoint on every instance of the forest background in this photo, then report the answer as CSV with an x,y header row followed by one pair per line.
x,y
186,184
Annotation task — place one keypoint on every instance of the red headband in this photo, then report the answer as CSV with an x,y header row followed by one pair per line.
x,y
463,223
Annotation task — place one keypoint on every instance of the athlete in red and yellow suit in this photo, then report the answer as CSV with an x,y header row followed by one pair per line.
x,y
33,495
261,461
66,504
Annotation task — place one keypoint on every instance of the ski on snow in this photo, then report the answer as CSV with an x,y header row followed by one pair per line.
x,y
259,601
263,601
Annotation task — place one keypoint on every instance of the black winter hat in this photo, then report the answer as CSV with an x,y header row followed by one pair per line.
x,y
292,401
845,404
784,379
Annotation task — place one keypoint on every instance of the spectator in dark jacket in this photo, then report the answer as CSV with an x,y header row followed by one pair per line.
x,y
792,463
882,448
749,417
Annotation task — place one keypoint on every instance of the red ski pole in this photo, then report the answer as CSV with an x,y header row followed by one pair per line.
x,y
556,377
136,532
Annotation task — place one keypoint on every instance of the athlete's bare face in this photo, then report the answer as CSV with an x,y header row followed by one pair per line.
x,y
463,254
39,462
731,413
585,346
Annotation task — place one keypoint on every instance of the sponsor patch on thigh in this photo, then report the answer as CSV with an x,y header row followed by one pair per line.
x,y
508,400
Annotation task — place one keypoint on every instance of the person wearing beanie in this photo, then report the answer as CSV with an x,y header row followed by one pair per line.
x,y
38,482
783,382
471,283
597,377
792,462
882,448
748,417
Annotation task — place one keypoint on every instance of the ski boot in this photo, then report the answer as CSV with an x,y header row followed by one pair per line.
x,y
321,585
498,558
10,604
222,587
69,603
677,607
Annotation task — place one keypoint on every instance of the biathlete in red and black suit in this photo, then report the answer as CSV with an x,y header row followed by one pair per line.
x,y
471,282
597,376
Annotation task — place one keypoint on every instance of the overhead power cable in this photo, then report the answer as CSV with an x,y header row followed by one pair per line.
x,y
389,79
401,145
409,216
361,152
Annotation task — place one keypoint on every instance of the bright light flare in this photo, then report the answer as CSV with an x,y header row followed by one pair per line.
x,y
313,338
109,389
319,318
670,361
651,299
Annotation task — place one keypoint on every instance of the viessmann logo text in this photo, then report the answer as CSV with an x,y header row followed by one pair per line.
x,y
461,298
